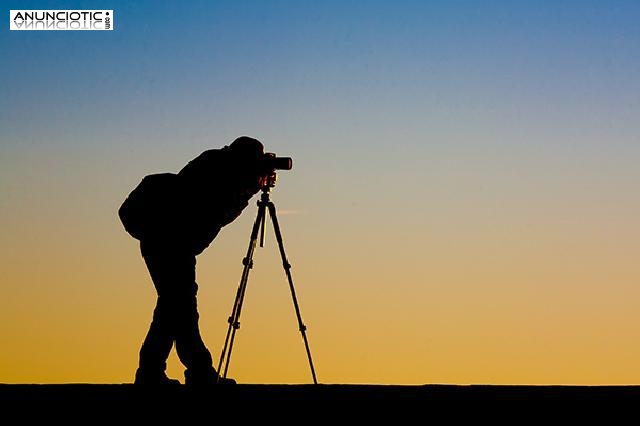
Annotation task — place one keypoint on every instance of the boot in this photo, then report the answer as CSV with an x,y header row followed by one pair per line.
x,y
207,377
153,378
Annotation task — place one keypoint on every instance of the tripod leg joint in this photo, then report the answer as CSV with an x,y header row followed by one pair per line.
x,y
247,262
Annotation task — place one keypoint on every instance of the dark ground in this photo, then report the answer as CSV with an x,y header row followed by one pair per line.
x,y
308,404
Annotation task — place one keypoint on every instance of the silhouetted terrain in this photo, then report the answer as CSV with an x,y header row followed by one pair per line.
x,y
303,404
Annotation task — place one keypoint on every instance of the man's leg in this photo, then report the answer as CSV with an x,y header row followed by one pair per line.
x,y
190,347
156,348
167,275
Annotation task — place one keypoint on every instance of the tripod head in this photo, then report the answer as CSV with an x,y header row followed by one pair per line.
x,y
268,181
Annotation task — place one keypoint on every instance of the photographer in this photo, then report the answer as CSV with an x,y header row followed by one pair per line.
x,y
175,217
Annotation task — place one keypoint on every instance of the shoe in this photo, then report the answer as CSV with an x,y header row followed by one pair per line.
x,y
154,379
207,378
226,381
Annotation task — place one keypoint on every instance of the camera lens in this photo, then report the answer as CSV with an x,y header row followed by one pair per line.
x,y
282,163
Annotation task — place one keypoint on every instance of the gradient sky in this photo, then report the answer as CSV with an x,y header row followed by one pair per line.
x,y
462,209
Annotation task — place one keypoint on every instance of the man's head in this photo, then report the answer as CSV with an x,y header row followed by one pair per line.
x,y
247,148
248,152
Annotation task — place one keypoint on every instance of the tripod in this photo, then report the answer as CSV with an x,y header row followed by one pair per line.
x,y
234,320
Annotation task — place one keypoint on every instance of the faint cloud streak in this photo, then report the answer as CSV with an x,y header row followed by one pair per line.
x,y
288,212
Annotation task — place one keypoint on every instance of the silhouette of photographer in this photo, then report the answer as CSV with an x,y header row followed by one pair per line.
x,y
176,216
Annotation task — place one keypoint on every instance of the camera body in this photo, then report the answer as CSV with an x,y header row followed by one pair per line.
x,y
270,161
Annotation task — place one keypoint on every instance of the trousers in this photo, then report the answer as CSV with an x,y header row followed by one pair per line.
x,y
175,316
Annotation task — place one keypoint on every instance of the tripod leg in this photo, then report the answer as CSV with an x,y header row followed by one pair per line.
x,y
234,318
287,269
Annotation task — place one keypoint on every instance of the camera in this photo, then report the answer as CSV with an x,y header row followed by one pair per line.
x,y
270,161
268,164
